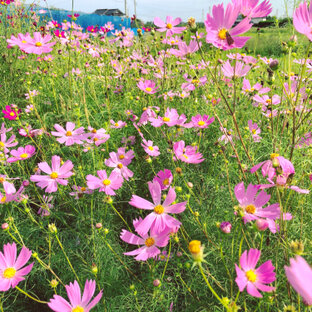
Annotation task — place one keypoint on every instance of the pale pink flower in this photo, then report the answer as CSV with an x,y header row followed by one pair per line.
x,y
239,70
164,178
255,131
69,136
169,26
148,86
117,125
150,148
188,153
22,153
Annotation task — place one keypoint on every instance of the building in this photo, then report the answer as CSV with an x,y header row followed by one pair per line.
x,y
254,20
109,12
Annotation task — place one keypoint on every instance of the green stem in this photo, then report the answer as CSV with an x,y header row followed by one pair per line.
x,y
29,296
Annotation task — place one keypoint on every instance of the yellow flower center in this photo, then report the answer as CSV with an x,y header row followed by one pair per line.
x,y
106,182
148,89
273,155
53,175
253,131
166,182
251,276
159,209
95,139
222,33
1,180
1,144
194,246
151,148
83,189
119,166
166,119
3,199
9,273
169,26
38,44
69,133
250,209
121,156
252,89
201,123
116,124
93,131
195,81
24,155
12,114
149,242
78,309
269,101
186,157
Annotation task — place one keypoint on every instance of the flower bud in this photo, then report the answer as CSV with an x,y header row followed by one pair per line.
x,y
54,283
94,269
52,228
190,184
25,183
178,189
132,287
156,283
261,224
197,250
98,225
178,170
5,226
226,227
35,255
179,254
274,65
106,231
192,24
297,247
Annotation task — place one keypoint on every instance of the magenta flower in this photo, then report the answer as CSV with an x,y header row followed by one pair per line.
x,y
199,121
104,183
252,278
171,119
150,148
251,205
39,44
55,174
147,86
239,70
255,131
69,136
302,19
226,227
22,153
184,49
159,219
299,275
10,113
79,191
76,303
5,144
148,243
188,153
169,26
120,162
11,269
117,125
251,9
164,178
98,137
219,31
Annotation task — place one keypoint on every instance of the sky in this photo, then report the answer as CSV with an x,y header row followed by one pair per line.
x,y
148,9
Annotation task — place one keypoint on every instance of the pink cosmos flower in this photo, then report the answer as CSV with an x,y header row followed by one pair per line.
x,y
55,174
104,183
169,25
10,113
302,19
148,86
97,137
188,153
79,191
248,89
171,119
39,44
239,70
120,161
164,178
4,143
266,100
219,31
199,121
69,136
193,83
184,49
9,188
117,125
251,9
12,196
255,131
45,208
11,269
299,275
22,153
252,278
149,242
76,303
150,148
251,205
4,129
159,219
19,41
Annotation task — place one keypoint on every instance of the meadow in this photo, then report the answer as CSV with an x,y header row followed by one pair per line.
x,y
168,171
